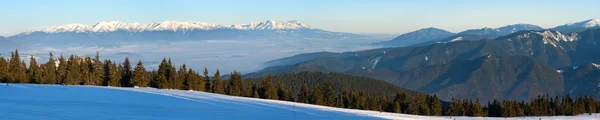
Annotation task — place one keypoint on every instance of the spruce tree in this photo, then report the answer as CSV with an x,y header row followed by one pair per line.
x,y
304,94
399,102
161,75
477,109
61,72
329,94
35,73
236,85
436,106
283,92
179,78
49,71
86,71
3,70
172,79
126,73
118,78
217,85
17,69
248,88
268,89
316,96
97,76
208,86
139,76
73,76
201,82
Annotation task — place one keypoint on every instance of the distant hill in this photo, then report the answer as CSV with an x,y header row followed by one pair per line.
x,y
579,26
582,80
492,33
418,36
8,45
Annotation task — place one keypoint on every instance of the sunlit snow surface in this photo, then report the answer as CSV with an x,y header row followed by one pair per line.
x,y
26,101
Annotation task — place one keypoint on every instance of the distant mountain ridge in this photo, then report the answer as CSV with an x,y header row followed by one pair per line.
x,y
579,26
8,45
120,32
418,36
492,33
175,26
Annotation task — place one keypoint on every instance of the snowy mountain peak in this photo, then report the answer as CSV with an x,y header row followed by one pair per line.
x,y
171,25
587,23
579,26
67,28
592,23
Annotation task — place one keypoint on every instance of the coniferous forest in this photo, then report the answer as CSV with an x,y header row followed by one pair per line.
x,y
328,89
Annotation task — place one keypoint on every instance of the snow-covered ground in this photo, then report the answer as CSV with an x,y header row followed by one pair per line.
x,y
28,101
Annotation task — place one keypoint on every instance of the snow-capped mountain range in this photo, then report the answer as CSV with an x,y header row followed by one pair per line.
x,y
115,32
175,26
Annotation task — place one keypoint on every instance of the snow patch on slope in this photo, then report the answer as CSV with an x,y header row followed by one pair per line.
x,y
587,24
597,65
456,39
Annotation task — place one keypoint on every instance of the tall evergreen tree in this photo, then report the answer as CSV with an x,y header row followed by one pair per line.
x,y
217,83
113,75
304,94
73,76
161,75
3,70
248,88
97,75
316,96
179,77
35,73
329,94
236,85
17,69
436,106
139,76
61,72
172,79
208,86
86,71
268,89
477,109
283,92
126,73
49,71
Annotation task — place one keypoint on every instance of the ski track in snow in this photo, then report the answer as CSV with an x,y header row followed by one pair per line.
x,y
28,101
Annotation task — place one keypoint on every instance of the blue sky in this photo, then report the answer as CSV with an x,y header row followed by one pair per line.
x,y
357,16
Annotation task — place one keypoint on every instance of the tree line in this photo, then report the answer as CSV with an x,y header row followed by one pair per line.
x,y
333,89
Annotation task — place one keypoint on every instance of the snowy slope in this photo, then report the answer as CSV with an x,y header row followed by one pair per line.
x,y
26,101
579,26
